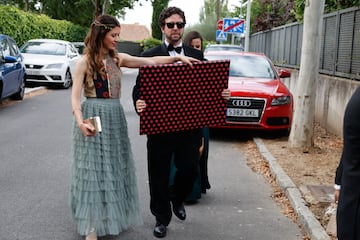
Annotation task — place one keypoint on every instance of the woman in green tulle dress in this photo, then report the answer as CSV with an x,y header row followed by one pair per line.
x,y
104,196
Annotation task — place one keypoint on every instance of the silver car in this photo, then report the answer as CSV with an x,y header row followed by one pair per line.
x,y
49,62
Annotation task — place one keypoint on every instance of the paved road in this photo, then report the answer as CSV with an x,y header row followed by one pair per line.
x,y
34,181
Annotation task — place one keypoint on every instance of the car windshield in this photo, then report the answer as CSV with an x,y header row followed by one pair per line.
x,y
46,48
247,66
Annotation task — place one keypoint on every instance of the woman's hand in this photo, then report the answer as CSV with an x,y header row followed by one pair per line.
x,y
87,129
226,94
187,60
140,105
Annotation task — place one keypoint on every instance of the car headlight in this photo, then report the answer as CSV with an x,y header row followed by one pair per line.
x,y
54,65
280,101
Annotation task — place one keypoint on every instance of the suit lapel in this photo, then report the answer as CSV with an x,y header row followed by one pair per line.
x,y
164,50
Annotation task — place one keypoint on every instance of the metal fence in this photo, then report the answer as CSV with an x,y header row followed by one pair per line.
x,y
340,44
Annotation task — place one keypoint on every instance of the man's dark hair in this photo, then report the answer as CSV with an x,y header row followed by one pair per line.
x,y
168,12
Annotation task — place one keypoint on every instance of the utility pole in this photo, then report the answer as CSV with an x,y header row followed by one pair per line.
x,y
247,25
302,129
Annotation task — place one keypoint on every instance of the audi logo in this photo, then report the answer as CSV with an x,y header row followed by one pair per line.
x,y
241,103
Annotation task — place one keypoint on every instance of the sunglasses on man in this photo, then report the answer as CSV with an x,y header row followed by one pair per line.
x,y
179,25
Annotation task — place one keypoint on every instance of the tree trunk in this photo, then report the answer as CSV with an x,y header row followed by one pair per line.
x,y
26,2
302,129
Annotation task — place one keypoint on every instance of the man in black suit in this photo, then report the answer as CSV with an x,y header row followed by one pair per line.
x,y
348,211
184,145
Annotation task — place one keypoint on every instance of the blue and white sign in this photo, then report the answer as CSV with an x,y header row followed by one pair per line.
x,y
221,36
233,25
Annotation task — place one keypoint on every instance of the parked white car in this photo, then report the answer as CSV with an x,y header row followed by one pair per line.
x,y
49,62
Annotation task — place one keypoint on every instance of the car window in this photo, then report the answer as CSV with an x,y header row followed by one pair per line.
x,y
14,50
73,50
5,47
46,48
248,66
1,54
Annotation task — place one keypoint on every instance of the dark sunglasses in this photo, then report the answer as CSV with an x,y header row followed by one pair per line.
x,y
179,25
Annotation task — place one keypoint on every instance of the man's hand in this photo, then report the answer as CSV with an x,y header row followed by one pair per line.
x,y
226,94
140,105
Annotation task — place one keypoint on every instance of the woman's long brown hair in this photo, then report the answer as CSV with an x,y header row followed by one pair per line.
x,y
94,43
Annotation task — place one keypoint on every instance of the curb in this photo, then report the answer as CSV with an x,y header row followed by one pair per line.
x,y
29,90
307,219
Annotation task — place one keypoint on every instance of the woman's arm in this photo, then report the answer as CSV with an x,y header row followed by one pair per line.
x,y
80,69
136,62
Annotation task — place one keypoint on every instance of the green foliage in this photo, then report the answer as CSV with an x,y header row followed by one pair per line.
x,y
209,15
150,43
23,26
330,6
267,14
158,6
78,12
26,5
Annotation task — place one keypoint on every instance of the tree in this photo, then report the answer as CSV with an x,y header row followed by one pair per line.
x,y
302,129
83,12
214,10
267,14
158,6
330,6
25,5
208,18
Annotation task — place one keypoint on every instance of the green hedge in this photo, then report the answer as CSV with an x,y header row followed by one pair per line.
x,y
23,26
150,43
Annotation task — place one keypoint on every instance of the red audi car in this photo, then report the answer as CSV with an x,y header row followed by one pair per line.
x,y
259,99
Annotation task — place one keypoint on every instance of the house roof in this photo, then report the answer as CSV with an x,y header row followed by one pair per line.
x,y
134,32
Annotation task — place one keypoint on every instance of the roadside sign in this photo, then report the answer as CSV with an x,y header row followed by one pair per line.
x,y
221,36
233,25
220,24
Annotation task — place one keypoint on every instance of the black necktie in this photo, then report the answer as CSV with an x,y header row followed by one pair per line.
x,y
171,48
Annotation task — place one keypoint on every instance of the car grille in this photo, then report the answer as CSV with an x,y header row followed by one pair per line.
x,y
246,104
43,78
31,66
38,77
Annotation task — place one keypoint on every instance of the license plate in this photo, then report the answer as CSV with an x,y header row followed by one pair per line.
x,y
239,112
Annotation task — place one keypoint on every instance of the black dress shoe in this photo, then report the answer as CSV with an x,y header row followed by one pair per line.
x,y
159,230
179,211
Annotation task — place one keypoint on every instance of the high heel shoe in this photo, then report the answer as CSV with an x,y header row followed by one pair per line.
x,y
91,235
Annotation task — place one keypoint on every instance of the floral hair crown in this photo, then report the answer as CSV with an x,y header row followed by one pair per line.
x,y
96,23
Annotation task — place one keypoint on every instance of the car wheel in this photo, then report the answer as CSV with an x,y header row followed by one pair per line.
x,y
68,80
21,93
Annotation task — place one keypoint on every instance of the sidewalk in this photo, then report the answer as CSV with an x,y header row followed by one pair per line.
x,y
306,217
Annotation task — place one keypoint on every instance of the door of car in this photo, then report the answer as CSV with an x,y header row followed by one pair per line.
x,y
73,56
11,70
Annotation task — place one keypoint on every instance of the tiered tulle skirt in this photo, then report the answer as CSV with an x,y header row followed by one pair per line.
x,y
104,194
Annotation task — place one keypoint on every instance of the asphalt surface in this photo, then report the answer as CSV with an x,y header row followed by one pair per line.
x,y
239,204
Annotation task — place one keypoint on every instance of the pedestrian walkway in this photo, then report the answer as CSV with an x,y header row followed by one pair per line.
x,y
238,205
306,217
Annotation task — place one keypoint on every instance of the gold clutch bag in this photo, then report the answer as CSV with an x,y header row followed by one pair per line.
x,y
96,122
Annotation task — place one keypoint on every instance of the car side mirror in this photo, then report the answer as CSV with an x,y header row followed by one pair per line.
x,y
10,59
284,73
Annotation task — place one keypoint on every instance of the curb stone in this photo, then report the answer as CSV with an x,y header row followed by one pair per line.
x,y
307,219
29,90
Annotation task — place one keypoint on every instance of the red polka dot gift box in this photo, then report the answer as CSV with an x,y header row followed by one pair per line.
x,y
179,97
